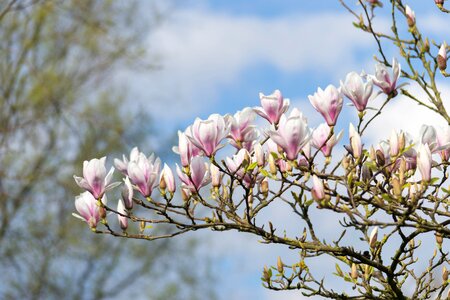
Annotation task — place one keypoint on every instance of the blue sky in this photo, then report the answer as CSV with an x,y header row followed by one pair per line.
x,y
216,56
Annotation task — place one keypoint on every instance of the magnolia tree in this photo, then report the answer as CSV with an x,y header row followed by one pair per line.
x,y
388,195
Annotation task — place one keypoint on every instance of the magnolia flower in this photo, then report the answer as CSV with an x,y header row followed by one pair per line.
x,y
88,210
169,179
443,140
424,161
328,103
127,193
198,177
122,165
273,106
143,173
410,16
442,57
383,80
242,133
95,179
292,133
355,141
321,141
207,134
186,149
356,90
123,221
427,135
396,143
317,191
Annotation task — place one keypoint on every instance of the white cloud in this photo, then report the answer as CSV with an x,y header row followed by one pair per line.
x,y
201,51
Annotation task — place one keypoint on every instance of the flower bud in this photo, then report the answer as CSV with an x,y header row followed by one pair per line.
x,y
439,238
259,155
317,192
442,57
185,194
272,165
410,16
373,237
280,266
424,162
264,187
127,193
167,179
444,275
355,141
216,175
123,221
354,273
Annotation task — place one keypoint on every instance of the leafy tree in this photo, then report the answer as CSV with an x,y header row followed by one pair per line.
x,y
60,103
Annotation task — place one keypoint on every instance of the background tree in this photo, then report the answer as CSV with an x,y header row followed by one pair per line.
x,y
60,103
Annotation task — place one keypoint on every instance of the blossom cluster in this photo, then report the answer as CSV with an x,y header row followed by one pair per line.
x,y
285,145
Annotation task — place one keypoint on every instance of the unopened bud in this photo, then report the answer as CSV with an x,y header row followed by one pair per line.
x,y
267,274
141,226
426,46
372,154
442,57
410,16
396,187
162,185
317,191
264,187
259,155
272,165
216,175
373,238
380,158
444,275
345,162
354,273
439,238
280,266
102,212
185,195
366,173
439,2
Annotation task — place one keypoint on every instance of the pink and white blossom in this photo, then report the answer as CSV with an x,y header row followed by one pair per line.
x,y
198,176
143,173
122,165
292,133
443,141
186,149
384,80
123,221
243,133
442,56
410,16
88,209
272,106
328,103
169,179
95,179
356,90
320,140
424,161
127,193
207,134
317,191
